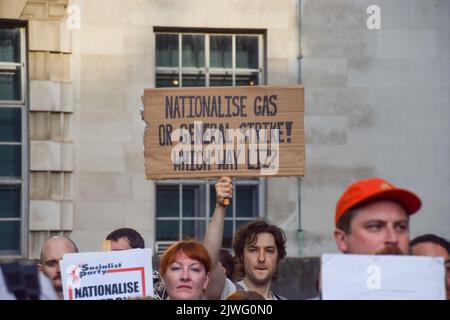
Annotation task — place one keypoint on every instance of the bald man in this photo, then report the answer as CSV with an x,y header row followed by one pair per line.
x,y
52,252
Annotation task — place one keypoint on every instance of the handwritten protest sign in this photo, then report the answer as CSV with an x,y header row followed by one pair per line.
x,y
233,131
373,277
109,275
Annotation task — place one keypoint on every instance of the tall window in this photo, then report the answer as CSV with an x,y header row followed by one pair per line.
x,y
184,207
13,170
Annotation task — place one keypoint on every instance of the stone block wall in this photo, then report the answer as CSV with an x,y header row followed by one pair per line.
x,y
50,121
376,104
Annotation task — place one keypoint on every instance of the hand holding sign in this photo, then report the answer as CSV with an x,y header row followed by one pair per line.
x,y
224,191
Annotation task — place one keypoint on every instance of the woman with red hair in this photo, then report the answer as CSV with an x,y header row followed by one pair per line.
x,y
185,268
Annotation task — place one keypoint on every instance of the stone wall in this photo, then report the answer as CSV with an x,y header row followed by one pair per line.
x,y
376,104
51,107
114,54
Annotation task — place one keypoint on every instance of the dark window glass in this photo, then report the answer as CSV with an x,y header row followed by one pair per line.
x,y
220,80
167,230
247,80
167,201
194,80
193,51
193,201
227,234
220,51
194,229
167,80
247,204
247,52
242,222
9,201
167,50
10,235
10,125
10,45
10,161
10,86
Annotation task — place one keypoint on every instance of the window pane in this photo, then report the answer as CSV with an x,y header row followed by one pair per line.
x,y
242,222
247,80
167,80
10,45
247,52
167,230
167,50
193,201
10,235
193,51
212,203
247,204
10,88
227,234
194,80
194,229
220,80
9,201
167,201
10,125
10,161
220,51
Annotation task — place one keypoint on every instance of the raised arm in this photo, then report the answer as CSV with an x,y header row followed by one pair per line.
x,y
214,236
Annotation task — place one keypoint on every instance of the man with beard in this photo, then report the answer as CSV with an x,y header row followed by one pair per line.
x,y
372,217
258,247
52,252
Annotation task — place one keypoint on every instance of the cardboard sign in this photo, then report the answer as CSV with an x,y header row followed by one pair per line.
x,y
224,131
377,277
109,275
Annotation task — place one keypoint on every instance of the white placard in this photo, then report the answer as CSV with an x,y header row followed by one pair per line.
x,y
382,277
113,275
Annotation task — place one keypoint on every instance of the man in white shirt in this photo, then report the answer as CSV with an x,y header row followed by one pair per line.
x,y
258,246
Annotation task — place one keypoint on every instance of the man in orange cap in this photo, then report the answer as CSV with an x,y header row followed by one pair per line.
x,y
372,217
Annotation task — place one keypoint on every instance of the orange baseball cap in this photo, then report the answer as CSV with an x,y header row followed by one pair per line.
x,y
376,189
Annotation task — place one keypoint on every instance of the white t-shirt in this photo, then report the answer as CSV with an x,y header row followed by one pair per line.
x,y
230,288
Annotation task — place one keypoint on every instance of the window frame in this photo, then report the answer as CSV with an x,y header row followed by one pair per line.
x,y
260,184
23,104
207,70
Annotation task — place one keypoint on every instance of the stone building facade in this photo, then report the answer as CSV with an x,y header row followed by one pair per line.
x,y
377,103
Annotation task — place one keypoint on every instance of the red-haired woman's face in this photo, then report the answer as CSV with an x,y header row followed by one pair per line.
x,y
186,278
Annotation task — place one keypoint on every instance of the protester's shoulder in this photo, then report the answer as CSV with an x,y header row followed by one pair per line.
x,y
278,297
228,288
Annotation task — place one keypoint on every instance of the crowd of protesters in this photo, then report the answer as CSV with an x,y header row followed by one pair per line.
x,y
372,217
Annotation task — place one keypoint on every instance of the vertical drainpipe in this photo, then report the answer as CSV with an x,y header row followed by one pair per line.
x,y
299,229
300,235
